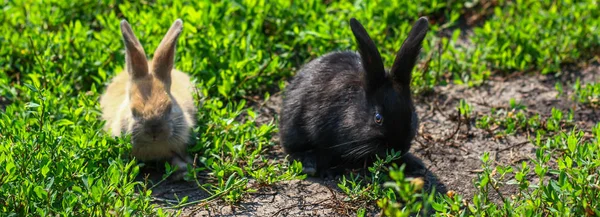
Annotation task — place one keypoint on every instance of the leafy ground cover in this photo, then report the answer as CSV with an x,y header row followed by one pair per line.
x,y
507,92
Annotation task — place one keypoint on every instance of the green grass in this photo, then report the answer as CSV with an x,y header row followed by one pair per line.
x,y
514,119
587,95
57,57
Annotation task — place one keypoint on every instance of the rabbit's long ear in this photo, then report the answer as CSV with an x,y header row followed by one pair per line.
x,y
135,57
407,56
371,59
164,56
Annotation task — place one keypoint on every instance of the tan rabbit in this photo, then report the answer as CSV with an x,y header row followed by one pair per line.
x,y
152,101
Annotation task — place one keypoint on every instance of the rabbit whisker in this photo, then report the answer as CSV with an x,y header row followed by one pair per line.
x,y
136,134
351,143
361,151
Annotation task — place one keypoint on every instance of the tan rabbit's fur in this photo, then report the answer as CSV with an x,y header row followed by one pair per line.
x,y
164,113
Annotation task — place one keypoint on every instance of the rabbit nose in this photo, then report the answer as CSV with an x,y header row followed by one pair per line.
x,y
154,130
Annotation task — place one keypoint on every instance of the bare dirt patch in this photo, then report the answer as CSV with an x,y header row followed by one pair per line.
x,y
450,148
311,197
456,161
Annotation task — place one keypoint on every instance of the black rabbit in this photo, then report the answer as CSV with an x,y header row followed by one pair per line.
x,y
342,109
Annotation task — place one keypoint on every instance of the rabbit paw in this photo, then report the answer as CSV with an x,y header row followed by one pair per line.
x,y
331,173
181,165
308,160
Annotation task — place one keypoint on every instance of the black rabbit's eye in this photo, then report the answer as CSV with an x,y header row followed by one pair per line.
x,y
378,118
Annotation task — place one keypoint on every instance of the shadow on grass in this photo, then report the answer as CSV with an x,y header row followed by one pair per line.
x,y
4,103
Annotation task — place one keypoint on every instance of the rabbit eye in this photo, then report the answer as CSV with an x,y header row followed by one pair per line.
x,y
378,118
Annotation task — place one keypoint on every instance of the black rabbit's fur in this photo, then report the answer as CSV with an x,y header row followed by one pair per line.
x,y
329,116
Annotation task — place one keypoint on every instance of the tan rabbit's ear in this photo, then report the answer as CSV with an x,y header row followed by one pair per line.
x,y
135,57
164,56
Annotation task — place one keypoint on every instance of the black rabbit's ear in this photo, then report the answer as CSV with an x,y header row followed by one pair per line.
x,y
371,59
407,56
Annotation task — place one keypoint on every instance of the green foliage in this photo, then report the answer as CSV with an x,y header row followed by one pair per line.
x,y
368,188
514,119
539,35
404,196
588,94
465,109
511,121
59,55
55,161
